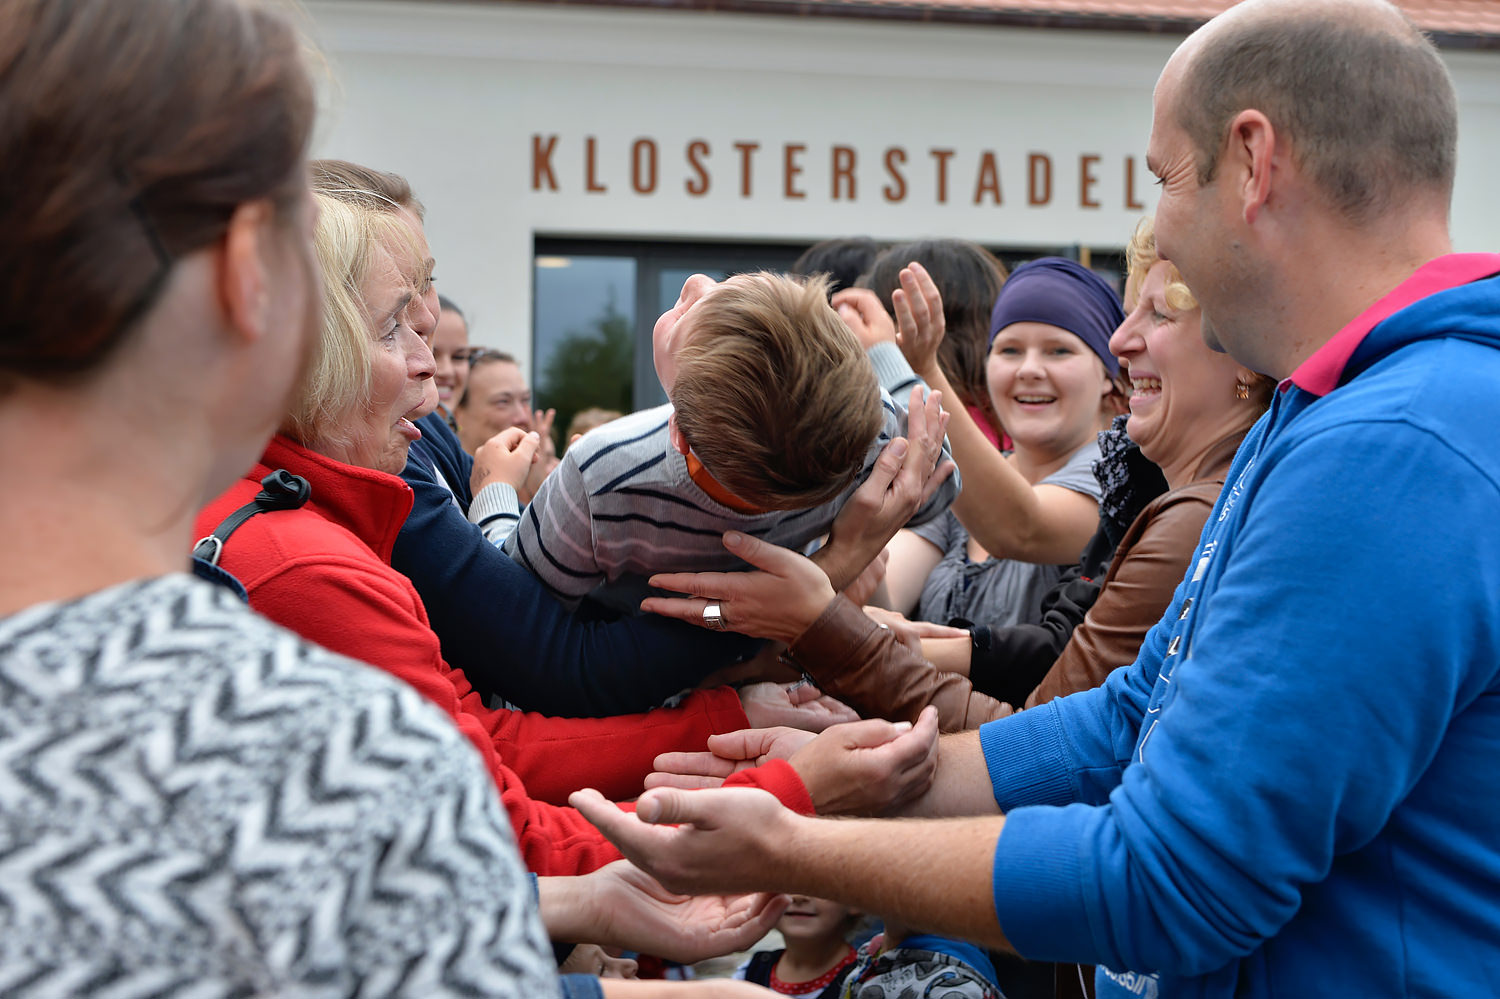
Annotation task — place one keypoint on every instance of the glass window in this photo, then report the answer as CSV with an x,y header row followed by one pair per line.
x,y
596,304
668,286
583,351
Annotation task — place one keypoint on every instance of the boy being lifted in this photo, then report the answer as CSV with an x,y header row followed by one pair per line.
x,y
775,418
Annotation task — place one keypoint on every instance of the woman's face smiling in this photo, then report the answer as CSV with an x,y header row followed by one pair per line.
x,y
1182,396
450,352
497,398
1047,386
395,293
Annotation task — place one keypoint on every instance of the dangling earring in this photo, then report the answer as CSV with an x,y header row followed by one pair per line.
x,y
1241,390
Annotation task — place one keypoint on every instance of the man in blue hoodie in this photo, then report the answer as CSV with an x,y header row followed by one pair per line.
x,y
1295,789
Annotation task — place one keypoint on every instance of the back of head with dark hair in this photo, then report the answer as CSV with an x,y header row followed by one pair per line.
x,y
969,278
1368,107
130,132
843,260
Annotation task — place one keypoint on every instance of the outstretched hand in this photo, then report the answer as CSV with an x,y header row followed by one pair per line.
x,y
591,959
637,913
728,753
861,768
718,840
793,705
870,767
919,319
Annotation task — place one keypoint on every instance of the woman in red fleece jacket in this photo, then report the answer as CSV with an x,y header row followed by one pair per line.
x,y
322,570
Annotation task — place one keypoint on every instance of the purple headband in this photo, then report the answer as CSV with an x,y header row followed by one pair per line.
x,y
1062,293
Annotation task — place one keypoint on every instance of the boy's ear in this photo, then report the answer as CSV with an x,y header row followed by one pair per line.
x,y
241,273
679,442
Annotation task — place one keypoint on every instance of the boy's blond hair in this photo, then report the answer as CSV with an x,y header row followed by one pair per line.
x,y
773,392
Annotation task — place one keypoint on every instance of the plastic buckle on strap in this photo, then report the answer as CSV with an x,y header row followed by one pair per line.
x,y
209,549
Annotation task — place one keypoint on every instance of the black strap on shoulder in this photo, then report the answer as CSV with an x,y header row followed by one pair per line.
x,y
761,964
281,490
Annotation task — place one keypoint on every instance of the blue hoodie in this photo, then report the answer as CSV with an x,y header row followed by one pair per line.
x,y
1295,789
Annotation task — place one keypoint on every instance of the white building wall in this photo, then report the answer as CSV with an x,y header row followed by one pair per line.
x,y
492,110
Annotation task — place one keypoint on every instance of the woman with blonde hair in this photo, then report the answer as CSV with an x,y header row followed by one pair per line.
x,y
324,569
321,569
537,655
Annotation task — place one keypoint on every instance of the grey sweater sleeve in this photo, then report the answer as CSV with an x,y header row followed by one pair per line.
x,y
555,536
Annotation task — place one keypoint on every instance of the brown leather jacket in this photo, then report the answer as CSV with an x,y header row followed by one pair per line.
x,y
1148,564
862,664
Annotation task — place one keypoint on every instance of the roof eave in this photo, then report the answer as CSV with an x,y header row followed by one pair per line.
x,y
944,14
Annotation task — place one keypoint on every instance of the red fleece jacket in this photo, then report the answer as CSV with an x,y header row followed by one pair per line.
x,y
323,571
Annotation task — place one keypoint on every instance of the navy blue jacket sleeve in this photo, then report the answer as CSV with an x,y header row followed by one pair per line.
x,y
511,638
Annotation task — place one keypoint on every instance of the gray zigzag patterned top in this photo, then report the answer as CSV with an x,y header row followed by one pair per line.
x,y
195,802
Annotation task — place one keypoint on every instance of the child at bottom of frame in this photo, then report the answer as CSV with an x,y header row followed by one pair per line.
x,y
819,962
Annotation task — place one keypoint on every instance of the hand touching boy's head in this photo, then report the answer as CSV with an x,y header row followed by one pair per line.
x,y
771,391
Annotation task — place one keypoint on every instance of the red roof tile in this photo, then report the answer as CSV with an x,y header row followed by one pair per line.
x,y
1454,23
1459,16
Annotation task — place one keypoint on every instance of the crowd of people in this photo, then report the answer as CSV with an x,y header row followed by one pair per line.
x,y
1154,633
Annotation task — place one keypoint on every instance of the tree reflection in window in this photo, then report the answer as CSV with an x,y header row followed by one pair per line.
x,y
590,367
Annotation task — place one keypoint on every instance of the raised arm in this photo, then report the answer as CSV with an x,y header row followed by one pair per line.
x,y
1006,514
